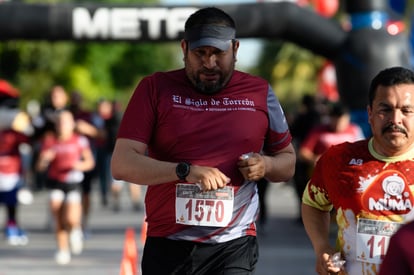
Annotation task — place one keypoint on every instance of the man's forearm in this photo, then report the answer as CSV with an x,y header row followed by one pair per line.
x,y
316,224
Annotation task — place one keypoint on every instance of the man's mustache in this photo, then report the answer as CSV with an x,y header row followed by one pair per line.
x,y
394,128
209,71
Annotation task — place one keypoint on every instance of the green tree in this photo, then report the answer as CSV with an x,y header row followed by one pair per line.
x,y
96,69
291,70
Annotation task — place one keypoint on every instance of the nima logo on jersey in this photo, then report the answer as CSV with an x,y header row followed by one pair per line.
x,y
388,194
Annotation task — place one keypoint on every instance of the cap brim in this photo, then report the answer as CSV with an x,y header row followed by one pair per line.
x,y
223,45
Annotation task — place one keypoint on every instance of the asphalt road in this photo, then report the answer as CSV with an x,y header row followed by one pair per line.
x,y
284,246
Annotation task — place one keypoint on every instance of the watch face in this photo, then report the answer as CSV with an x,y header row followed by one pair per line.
x,y
183,169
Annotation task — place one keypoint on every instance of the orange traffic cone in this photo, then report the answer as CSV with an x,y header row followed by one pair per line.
x,y
129,259
143,231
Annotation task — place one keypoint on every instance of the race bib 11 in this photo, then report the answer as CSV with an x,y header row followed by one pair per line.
x,y
373,237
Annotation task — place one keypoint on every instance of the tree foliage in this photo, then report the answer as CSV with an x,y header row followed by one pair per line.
x,y
96,69
291,70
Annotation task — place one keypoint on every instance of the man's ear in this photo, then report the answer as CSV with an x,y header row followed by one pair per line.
x,y
184,46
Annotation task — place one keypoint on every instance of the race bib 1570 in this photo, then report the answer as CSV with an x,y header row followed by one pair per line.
x,y
210,208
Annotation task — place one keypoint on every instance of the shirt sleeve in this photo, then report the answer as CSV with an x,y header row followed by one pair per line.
x,y
315,194
139,117
278,136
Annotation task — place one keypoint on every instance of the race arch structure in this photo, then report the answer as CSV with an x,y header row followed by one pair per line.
x,y
358,53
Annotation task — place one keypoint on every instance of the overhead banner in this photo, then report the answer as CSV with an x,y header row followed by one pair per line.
x,y
129,23
358,53
93,22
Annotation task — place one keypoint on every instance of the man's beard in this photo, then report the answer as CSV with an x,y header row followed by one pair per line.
x,y
206,87
209,88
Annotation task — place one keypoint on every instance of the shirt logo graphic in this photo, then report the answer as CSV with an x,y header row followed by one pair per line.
x,y
388,194
214,104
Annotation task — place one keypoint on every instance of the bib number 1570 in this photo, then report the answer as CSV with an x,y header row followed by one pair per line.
x,y
212,208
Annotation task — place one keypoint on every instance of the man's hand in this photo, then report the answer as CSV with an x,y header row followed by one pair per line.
x,y
326,265
207,178
252,166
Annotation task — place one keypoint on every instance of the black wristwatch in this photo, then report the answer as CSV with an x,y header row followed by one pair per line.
x,y
182,170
